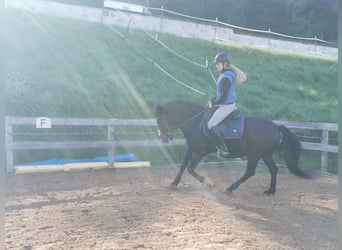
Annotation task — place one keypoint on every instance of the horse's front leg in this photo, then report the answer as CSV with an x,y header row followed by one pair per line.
x,y
195,159
182,168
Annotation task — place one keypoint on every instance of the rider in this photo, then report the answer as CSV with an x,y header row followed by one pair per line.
x,y
225,99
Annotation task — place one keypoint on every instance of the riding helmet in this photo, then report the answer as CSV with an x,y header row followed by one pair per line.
x,y
222,57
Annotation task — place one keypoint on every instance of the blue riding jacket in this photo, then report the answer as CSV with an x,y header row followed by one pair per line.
x,y
231,95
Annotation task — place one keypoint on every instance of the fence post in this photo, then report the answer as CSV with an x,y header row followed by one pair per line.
x,y
161,18
9,153
102,11
269,37
111,149
215,30
315,45
324,155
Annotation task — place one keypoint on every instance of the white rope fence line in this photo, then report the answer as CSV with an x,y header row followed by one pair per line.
x,y
239,27
274,33
212,75
154,63
179,81
179,14
155,38
174,52
182,57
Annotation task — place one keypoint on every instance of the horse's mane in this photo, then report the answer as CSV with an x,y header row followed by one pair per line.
x,y
184,102
179,105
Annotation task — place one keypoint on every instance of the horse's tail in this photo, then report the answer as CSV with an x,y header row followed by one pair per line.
x,y
291,149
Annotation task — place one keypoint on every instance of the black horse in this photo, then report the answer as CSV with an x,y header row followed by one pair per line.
x,y
260,140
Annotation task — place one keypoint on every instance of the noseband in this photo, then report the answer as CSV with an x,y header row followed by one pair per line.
x,y
168,133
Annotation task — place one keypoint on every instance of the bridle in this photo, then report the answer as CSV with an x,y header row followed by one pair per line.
x,y
169,132
166,132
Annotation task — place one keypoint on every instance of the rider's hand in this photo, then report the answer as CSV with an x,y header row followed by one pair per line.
x,y
209,105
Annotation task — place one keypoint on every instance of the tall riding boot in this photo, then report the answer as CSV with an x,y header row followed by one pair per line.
x,y
216,134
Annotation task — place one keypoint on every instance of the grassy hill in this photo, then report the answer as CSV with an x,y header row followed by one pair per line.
x,y
86,70
60,67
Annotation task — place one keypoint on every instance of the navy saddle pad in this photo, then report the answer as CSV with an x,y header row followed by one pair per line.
x,y
231,127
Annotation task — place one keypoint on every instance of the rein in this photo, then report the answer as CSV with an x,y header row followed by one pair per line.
x,y
171,131
190,119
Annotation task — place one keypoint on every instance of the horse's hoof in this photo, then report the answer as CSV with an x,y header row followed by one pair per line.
x,y
228,192
225,154
210,185
201,179
269,192
173,186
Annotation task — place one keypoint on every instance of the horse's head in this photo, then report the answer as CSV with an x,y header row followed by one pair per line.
x,y
165,126
177,114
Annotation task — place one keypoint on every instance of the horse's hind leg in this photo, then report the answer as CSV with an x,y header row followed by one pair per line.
x,y
250,171
195,159
182,168
272,167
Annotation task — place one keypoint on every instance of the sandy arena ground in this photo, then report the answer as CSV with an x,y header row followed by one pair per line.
x,y
134,209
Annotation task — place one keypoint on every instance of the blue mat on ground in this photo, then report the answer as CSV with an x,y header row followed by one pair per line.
x,y
60,161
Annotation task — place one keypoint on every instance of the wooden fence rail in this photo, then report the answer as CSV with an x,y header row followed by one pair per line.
x,y
110,143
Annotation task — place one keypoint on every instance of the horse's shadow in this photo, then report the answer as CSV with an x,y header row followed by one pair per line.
x,y
286,219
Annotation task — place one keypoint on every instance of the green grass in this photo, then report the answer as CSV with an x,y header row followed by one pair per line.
x,y
60,67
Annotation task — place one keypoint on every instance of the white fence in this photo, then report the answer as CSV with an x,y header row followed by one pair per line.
x,y
110,143
192,27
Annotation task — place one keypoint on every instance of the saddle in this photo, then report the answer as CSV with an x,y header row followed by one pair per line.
x,y
232,127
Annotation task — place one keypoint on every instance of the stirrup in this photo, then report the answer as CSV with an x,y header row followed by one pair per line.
x,y
225,154
221,153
